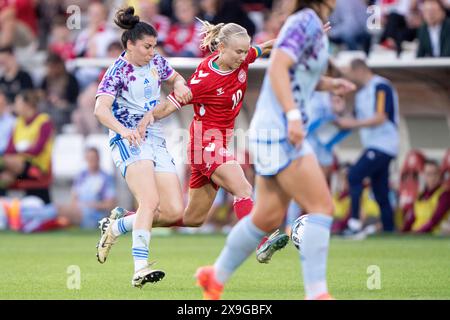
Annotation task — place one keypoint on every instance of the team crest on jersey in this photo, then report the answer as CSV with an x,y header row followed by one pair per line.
x,y
242,76
135,150
202,110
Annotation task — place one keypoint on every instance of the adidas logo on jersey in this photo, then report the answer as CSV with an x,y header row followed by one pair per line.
x,y
146,81
220,91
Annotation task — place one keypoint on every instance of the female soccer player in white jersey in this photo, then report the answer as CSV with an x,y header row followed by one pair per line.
x,y
130,88
285,164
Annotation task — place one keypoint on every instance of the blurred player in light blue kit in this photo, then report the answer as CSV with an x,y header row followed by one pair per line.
x,y
323,135
285,164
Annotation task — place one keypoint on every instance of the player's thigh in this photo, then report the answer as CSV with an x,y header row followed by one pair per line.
x,y
231,177
304,181
271,204
170,194
140,178
199,204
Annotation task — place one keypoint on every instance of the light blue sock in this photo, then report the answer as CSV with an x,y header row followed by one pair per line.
x,y
141,241
241,242
314,253
123,225
294,211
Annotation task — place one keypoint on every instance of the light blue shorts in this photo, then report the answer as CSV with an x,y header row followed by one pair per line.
x,y
272,157
153,148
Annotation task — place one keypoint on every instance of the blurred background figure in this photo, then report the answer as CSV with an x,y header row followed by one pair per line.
x,y
432,207
183,38
12,78
59,90
349,25
376,110
61,40
225,11
93,196
7,122
93,193
82,117
93,41
401,21
148,11
434,34
29,152
50,13
272,26
18,23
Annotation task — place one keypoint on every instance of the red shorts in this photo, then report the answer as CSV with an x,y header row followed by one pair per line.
x,y
205,161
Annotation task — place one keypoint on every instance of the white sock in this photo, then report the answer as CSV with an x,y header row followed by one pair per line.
x,y
141,241
123,225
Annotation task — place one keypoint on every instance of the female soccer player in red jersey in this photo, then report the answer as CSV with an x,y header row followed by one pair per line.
x,y
218,86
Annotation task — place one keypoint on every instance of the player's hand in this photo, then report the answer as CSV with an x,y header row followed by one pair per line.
x,y
182,93
296,134
327,27
133,136
146,121
341,87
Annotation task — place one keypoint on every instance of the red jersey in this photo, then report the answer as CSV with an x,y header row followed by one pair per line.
x,y
217,95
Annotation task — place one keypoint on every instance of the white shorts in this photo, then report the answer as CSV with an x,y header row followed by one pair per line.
x,y
153,148
272,157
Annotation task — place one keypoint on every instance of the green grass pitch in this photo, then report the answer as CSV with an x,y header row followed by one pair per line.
x,y
37,266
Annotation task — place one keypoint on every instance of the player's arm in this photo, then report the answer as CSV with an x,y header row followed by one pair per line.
x,y
382,104
182,92
266,47
337,86
281,85
161,111
102,112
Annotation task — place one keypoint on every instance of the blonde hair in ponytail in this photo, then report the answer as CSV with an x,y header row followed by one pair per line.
x,y
220,33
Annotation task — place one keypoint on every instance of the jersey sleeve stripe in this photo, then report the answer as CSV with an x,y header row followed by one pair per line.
x,y
381,102
258,51
174,101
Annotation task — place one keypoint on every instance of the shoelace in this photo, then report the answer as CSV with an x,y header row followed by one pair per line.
x,y
273,235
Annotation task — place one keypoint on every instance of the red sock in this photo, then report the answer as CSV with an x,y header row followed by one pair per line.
x,y
178,223
242,207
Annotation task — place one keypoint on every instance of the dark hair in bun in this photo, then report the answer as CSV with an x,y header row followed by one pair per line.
x,y
134,29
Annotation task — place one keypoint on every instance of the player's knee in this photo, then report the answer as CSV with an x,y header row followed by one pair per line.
x,y
269,221
193,221
175,213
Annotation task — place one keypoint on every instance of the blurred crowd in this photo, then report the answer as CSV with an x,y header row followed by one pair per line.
x,y
39,102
